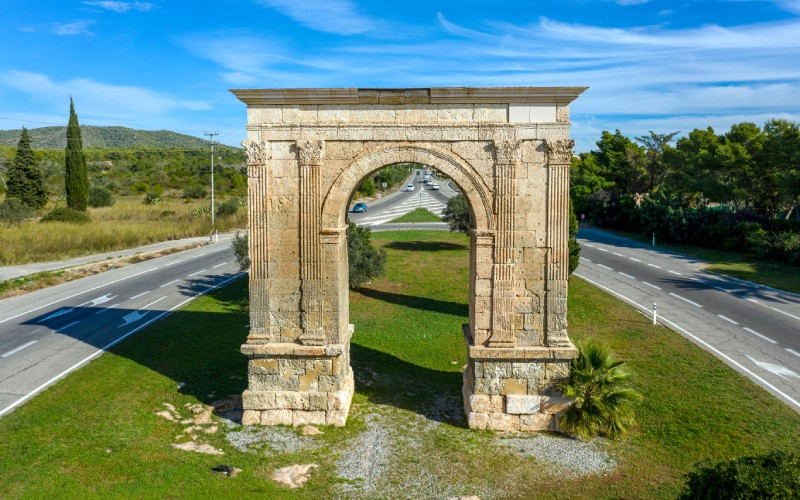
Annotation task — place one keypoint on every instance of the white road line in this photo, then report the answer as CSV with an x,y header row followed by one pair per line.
x,y
751,300
154,302
219,265
697,280
685,299
58,330
588,245
75,295
759,335
627,275
722,289
604,267
793,352
23,346
653,265
167,284
112,306
602,249
652,286
618,254
635,260
674,272
198,272
111,344
140,295
725,318
697,339
784,312
584,258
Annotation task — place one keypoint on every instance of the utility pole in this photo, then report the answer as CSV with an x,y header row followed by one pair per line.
x,y
211,135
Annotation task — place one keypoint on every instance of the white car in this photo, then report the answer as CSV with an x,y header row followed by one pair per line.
x,y
435,186
410,187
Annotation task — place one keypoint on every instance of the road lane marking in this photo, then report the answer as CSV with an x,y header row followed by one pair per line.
x,y
627,275
60,312
685,299
784,312
725,318
602,249
618,254
59,330
23,346
674,272
588,245
198,272
138,314
140,295
793,352
635,260
697,280
584,258
653,265
105,309
778,370
750,330
695,338
112,344
167,284
751,300
604,267
219,265
653,286
723,289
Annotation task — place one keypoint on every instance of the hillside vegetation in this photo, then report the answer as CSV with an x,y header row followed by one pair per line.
x,y
106,137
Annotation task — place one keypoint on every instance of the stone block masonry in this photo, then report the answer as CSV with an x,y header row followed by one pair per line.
x,y
509,151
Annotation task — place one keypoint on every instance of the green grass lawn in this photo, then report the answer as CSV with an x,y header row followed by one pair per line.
x,y
773,274
95,433
418,215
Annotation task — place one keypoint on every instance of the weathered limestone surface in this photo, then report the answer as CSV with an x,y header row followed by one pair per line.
x,y
509,151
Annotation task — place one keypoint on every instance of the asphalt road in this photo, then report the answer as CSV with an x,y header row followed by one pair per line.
x,y
44,335
753,329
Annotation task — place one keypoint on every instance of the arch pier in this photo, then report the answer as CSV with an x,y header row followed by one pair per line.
x,y
509,151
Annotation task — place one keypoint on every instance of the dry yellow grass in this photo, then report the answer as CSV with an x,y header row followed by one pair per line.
x,y
129,223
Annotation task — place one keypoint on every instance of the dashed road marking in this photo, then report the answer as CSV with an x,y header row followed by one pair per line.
x,y
618,254
13,351
219,265
784,312
725,318
604,267
685,299
140,295
793,352
653,265
167,284
634,259
697,280
723,289
627,276
651,285
750,330
674,272
585,259
196,273
112,306
602,249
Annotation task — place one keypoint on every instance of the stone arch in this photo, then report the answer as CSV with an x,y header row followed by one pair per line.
x,y
478,194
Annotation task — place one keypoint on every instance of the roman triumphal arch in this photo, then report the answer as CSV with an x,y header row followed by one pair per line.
x,y
509,151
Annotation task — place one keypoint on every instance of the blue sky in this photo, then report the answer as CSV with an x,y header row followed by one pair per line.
x,y
650,64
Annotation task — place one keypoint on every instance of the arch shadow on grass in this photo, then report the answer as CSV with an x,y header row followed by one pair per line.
x,y
425,246
415,302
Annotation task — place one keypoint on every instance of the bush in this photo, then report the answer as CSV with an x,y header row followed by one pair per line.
x,y
365,262
195,192
65,214
100,197
14,211
140,187
229,207
168,213
367,188
152,198
241,251
773,475
456,213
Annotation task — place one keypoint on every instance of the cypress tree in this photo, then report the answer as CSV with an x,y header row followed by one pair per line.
x,y
25,180
77,176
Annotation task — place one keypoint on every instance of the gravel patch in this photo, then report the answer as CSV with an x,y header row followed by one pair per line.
x,y
366,460
276,439
569,457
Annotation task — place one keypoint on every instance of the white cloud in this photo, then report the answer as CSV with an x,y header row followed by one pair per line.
x,y
122,7
331,16
97,100
73,28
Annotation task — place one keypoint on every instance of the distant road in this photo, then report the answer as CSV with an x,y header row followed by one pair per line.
x,y
46,334
754,330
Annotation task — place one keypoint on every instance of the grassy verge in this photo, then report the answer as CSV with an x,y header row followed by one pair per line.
x,y
95,434
418,215
773,274
128,224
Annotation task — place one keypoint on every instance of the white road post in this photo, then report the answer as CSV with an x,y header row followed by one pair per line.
x,y
655,314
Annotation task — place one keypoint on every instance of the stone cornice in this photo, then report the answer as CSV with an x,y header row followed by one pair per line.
x,y
405,96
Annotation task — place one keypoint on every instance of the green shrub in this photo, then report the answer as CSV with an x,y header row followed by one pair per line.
x,y
365,262
196,192
140,187
241,251
456,213
65,214
168,213
367,188
774,475
14,211
100,197
152,198
229,207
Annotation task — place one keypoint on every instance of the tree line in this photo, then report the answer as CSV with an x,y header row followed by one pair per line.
x,y
738,191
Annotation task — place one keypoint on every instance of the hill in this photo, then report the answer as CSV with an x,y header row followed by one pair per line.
x,y
105,137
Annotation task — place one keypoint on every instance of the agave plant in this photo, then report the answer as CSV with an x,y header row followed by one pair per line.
x,y
601,403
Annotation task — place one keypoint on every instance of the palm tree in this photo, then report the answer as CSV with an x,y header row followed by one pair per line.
x,y
601,404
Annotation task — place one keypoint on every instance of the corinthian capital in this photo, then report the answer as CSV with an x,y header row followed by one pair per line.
x,y
311,151
560,151
507,151
257,152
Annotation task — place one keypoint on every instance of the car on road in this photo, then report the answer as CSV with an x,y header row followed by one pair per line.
x,y
410,187
359,208
435,186
418,172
